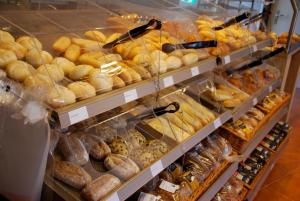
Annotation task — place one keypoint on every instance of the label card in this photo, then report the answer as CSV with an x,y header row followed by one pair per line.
x,y
217,123
254,48
78,115
254,101
270,89
195,71
227,59
168,81
168,186
130,95
156,168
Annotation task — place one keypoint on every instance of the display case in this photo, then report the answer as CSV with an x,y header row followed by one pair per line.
x,y
130,87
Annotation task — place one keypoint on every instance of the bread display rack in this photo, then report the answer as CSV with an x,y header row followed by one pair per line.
x,y
48,25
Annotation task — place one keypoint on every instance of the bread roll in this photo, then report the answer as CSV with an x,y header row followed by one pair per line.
x,y
100,187
18,49
232,103
112,37
190,59
86,59
82,42
37,58
118,82
221,95
6,56
125,76
101,81
71,174
82,90
61,44
38,81
173,62
158,67
144,73
6,37
177,53
92,47
95,35
121,166
59,96
142,59
80,72
30,43
72,52
158,54
64,64
135,76
95,55
109,58
18,70
53,71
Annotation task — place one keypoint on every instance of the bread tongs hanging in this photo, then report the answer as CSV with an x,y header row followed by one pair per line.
x,y
137,32
168,47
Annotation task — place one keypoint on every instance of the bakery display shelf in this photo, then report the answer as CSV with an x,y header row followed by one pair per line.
x,y
263,174
219,183
245,51
254,99
294,47
85,109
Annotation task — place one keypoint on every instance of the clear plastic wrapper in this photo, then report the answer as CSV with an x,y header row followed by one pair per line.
x,y
231,191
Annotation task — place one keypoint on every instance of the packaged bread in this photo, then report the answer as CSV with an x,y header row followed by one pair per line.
x,y
53,71
100,187
6,37
71,174
118,82
72,52
80,72
18,49
58,96
121,166
95,35
64,64
102,82
30,43
61,44
37,58
73,150
18,70
6,56
82,90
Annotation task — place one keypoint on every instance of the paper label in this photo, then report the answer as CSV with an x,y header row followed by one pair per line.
x,y
78,115
156,168
168,81
195,71
148,197
227,59
130,95
270,89
113,197
168,186
217,123
254,101
254,48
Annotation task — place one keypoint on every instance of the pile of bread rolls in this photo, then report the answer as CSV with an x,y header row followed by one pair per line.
x,y
283,38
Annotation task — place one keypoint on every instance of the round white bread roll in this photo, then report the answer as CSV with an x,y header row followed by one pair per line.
x,y
173,62
82,90
177,53
55,72
64,64
18,70
101,81
6,56
142,59
80,71
59,96
37,58
30,43
190,58
37,81
6,37
158,66
157,54
18,49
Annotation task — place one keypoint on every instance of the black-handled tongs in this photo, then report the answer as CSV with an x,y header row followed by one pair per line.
x,y
153,24
233,20
168,47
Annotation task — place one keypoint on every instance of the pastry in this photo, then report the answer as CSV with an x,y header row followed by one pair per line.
x,y
232,103
144,73
119,146
82,42
121,166
220,95
6,37
71,174
189,59
30,43
61,44
59,96
136,139
173,62
158,54
18,70
100,187
37,58
66,65
18,49
80,72
95,35
118,82
143,158
109,59
6,56
72,52
134,75
82,90
158,67
38,81
112,37
101,81
86,59
53,71
142,59
73,150
177,53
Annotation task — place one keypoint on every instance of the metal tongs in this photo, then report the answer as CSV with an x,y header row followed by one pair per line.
x,y
137,32
233,20
168,47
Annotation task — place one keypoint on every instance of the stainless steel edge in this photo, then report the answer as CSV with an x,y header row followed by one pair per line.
x,y
219,183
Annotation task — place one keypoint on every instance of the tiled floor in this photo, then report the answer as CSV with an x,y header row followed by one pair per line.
x,y
283,183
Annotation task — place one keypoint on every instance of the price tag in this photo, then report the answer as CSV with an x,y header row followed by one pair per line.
x,y
195,71
254,48
217,123
168,81
156,168
78,115
227,59
254,101
270,89
168,186
113,197
130,95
